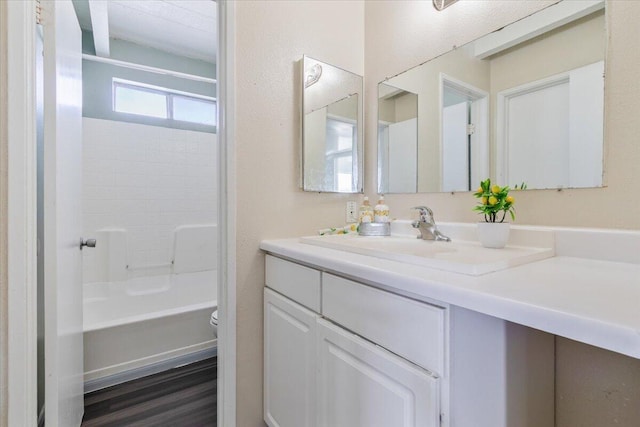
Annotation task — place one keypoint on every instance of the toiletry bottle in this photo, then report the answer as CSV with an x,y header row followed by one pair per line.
x,y
366,212
381,211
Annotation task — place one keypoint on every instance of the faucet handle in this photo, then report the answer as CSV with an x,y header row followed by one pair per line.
x,y
426,214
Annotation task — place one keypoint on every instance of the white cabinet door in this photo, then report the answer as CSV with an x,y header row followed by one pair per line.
x,y
363,385
289,362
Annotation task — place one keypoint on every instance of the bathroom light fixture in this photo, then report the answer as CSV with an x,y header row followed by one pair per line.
x,y
313,75
442,4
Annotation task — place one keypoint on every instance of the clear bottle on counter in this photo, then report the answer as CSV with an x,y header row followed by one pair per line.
x,y
365,213
381,211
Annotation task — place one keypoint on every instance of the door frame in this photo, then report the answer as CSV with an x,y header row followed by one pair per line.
x,y
480,139
19,328
19,19
226,214
502,117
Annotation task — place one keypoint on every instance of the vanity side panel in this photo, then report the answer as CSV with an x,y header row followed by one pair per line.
x,y
502,366
476,369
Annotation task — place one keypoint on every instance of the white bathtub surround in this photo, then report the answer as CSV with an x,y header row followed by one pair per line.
x,y
138,323
145,321
147,180
195,248
588,292
110,257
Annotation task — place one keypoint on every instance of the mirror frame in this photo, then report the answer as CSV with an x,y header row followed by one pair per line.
x,y
358,164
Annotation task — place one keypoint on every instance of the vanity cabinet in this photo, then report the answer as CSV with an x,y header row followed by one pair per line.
x,y
340,353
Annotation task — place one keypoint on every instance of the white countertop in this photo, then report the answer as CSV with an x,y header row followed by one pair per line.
x,y
589,300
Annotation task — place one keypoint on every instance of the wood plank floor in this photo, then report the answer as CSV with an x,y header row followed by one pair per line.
x,y
184,397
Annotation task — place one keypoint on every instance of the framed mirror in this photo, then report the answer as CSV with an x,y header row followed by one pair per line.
x,y
522,104
332,123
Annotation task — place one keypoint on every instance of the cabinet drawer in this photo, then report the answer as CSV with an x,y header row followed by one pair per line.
x,y
411,329
297,282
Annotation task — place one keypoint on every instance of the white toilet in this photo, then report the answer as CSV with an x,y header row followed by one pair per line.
x,y
214,322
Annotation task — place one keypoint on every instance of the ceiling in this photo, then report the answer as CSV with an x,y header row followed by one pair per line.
x,y
184,27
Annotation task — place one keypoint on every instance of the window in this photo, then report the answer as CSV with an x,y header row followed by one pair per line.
x,y
162,103
341,140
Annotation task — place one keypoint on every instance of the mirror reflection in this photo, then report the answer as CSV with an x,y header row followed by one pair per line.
x,y
398,139
525,103
331,128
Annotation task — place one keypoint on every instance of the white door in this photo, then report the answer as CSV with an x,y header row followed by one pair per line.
x,y
538,134
289,363
62,210
556,121
363,385
403,156
455,147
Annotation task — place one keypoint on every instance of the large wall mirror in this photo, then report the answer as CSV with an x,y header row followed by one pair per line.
x,y
332,139
522,104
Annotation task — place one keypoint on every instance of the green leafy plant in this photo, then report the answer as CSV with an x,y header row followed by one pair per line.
x,y
495,199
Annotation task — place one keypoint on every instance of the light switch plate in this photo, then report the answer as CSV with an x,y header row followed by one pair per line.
x,y
352,212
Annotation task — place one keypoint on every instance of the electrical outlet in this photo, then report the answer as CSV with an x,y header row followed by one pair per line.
x,y
352,212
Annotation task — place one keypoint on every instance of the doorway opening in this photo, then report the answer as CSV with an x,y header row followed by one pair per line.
x,y
464,134
149,165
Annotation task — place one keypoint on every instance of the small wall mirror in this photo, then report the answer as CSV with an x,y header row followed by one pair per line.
x,y
332,137
522,104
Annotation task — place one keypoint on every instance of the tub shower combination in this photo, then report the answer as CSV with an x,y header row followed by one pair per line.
x,y
135,325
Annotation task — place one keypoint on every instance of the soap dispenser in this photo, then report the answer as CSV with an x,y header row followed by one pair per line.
x,y
381,211
366,212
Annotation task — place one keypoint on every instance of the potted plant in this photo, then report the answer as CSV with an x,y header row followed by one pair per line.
x,y
495,202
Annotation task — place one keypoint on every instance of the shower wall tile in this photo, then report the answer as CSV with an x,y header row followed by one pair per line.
x,y
146,180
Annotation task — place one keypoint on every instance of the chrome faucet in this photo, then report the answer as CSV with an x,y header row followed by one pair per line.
x,y
427,226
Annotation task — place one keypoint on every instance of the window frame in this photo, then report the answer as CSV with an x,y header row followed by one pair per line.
x,y
169,95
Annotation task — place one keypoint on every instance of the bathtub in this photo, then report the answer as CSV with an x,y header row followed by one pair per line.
x,y
144,324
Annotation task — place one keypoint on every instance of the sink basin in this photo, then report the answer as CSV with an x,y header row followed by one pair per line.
x,y
465,257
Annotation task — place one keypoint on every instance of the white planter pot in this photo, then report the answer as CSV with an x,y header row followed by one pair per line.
x,y
493,234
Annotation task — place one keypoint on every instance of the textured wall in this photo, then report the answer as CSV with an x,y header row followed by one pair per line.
x,y
595,387
271,37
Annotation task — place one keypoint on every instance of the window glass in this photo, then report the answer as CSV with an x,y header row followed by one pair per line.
x,y
344,173
340,144
194,110
137,101
340,135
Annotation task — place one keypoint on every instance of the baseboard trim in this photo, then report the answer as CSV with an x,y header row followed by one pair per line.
x,y
153,368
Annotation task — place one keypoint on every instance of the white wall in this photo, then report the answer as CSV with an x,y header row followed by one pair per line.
x,y
271,37
147,180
